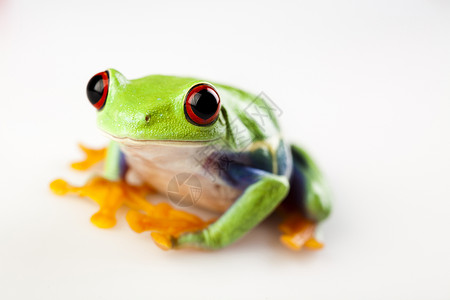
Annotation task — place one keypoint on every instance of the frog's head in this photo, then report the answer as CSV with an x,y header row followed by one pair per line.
x,y
156,108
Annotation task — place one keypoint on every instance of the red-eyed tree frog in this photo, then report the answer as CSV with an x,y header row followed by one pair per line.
x,y
221,143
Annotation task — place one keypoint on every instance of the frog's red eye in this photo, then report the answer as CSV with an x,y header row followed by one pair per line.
x,y
97,89
202,105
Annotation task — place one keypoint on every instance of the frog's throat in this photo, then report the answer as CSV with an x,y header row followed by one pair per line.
x,y
132,141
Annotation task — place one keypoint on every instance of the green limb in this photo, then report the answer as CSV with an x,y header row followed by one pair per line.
x,y
113,162
317,201
254,205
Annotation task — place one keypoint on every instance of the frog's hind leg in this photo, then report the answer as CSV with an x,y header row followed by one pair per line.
x,y
262,193
306,205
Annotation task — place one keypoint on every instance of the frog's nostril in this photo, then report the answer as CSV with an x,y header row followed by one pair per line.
x,y
147,118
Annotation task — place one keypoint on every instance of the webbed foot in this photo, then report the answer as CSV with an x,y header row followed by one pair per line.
x,y
110,196
163,220
298,232
166,223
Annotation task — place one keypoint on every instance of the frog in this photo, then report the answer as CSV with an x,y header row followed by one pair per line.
x,y
173,132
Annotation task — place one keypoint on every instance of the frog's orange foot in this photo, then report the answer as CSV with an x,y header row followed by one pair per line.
x,y
110,196
93,156
107,194
165,222
298,232
162,240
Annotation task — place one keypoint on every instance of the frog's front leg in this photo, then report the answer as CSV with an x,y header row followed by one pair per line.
x,y
262,195
109,191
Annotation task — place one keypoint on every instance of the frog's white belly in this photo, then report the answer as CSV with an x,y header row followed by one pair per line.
x,y
157,163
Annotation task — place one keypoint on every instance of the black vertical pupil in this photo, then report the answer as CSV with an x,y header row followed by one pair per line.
x,y
204,104
95,89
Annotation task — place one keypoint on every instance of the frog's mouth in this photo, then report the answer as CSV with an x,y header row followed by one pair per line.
x,y
179,143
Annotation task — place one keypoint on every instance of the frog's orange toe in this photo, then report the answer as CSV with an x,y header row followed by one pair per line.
x,y
290,242
163,241
297,241
298,232
313,244
59,187
93,156
102,220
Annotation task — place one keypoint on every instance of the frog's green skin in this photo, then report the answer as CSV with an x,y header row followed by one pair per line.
x,y
145,119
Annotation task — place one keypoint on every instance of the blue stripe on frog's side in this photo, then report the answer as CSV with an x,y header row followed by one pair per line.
x,y
240,176
242,169
123,166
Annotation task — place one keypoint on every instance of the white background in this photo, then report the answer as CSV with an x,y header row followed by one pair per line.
x,y
364,85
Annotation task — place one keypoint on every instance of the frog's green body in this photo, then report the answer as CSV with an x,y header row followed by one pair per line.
x,y
245,167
